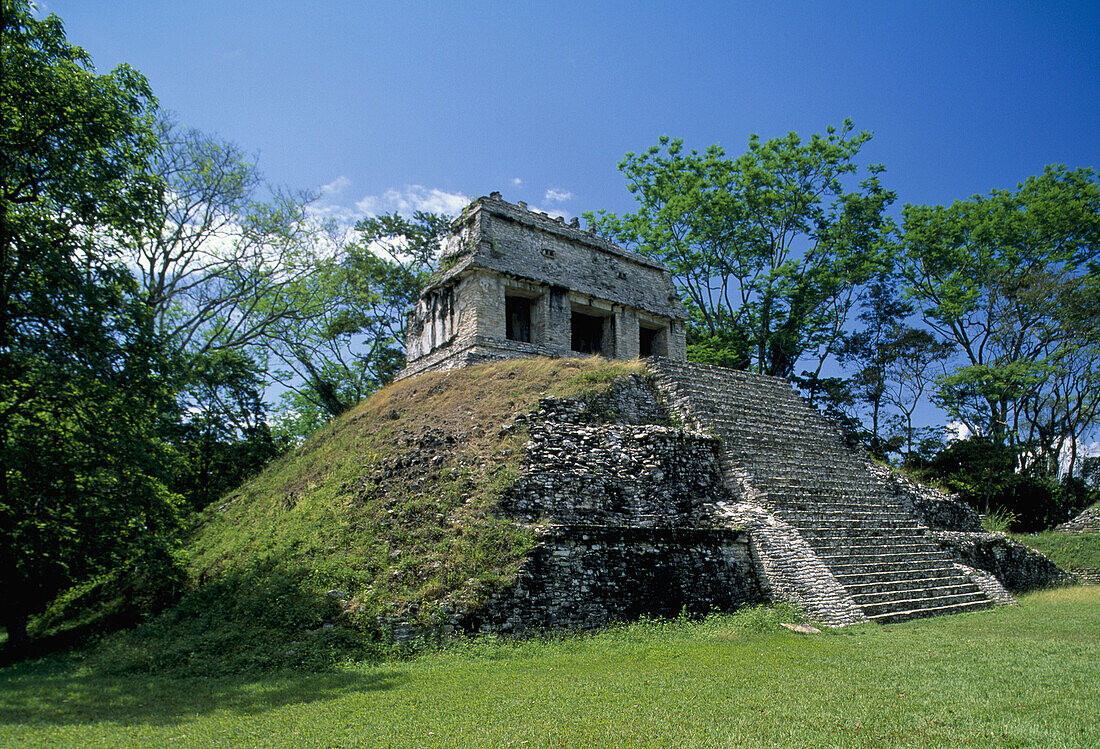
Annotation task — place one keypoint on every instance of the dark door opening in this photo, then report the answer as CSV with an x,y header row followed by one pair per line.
x,y
646,338
517,314
587,333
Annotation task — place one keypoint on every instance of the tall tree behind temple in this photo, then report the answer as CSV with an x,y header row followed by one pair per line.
x,y
352,340
769,249
1012,279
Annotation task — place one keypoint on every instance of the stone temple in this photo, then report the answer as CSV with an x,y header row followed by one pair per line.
x,y
520,283
692,488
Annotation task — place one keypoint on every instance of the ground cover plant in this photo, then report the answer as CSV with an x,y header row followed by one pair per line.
x,y
1026,675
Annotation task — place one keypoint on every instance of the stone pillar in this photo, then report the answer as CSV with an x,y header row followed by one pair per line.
x,y
559,331
626,333
677,341
489,304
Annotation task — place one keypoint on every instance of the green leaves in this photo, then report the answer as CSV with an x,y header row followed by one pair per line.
x,y
770,246
82,383
349,335
1010,278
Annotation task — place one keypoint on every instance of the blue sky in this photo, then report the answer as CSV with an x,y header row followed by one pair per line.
x,y
420,104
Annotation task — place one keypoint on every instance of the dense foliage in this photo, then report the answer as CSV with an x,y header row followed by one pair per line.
x,y
83,466
769,249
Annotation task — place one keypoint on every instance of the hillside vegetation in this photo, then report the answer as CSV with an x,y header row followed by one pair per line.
x,y
389,513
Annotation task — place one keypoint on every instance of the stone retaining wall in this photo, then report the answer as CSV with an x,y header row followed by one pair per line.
x,y
631,518
582,577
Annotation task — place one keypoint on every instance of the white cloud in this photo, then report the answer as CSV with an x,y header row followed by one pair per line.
x,y
549,211
958,430
517,182
412,198
334,204
336,187
553,195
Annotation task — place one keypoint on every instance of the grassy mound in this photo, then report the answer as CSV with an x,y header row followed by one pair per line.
x,y
388,513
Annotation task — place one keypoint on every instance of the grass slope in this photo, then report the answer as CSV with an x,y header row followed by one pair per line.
x,y
390,512
1026,675
1068,551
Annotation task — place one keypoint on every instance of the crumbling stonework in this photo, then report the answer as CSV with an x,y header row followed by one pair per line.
x,y
1018,567
582,577
830,530
520,283
630,519
1087,522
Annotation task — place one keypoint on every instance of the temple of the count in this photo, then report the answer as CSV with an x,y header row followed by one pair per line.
x,y
520,283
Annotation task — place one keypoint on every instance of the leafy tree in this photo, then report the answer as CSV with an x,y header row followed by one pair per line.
x,y
216,257
769,249
82,385
985,475
1010,280
353,340
221,433
872,349
913,361
219,253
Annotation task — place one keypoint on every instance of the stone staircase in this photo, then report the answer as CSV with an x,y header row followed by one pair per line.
x,y
783,456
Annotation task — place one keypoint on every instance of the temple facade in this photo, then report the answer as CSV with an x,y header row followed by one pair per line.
x,y
519,283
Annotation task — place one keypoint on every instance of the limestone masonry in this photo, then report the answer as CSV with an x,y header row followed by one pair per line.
x,y
695,488
520,283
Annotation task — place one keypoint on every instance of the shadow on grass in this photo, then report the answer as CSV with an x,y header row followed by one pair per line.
x,y
246,643
49,694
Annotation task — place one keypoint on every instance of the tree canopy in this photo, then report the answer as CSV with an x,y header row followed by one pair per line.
x,y
82,386
1011,280
768,249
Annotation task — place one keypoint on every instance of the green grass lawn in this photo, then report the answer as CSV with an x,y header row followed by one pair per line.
x,y
1027,675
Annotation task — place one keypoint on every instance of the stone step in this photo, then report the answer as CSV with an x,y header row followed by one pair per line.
x,y
856,572
914,592
883,577
803,504
892,617
871,555
911,533
856,587
862,518
913,604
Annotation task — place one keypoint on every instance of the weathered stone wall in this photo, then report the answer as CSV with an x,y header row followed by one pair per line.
x,y
1018,567
581,577
630,511
516,242
1087,522
612,474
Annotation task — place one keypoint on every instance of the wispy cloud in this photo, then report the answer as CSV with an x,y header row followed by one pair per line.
x,y
412,198
337,187
517,182
554,195
552,211
334,204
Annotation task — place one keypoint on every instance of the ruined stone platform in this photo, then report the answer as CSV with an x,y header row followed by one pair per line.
x,y
831,530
